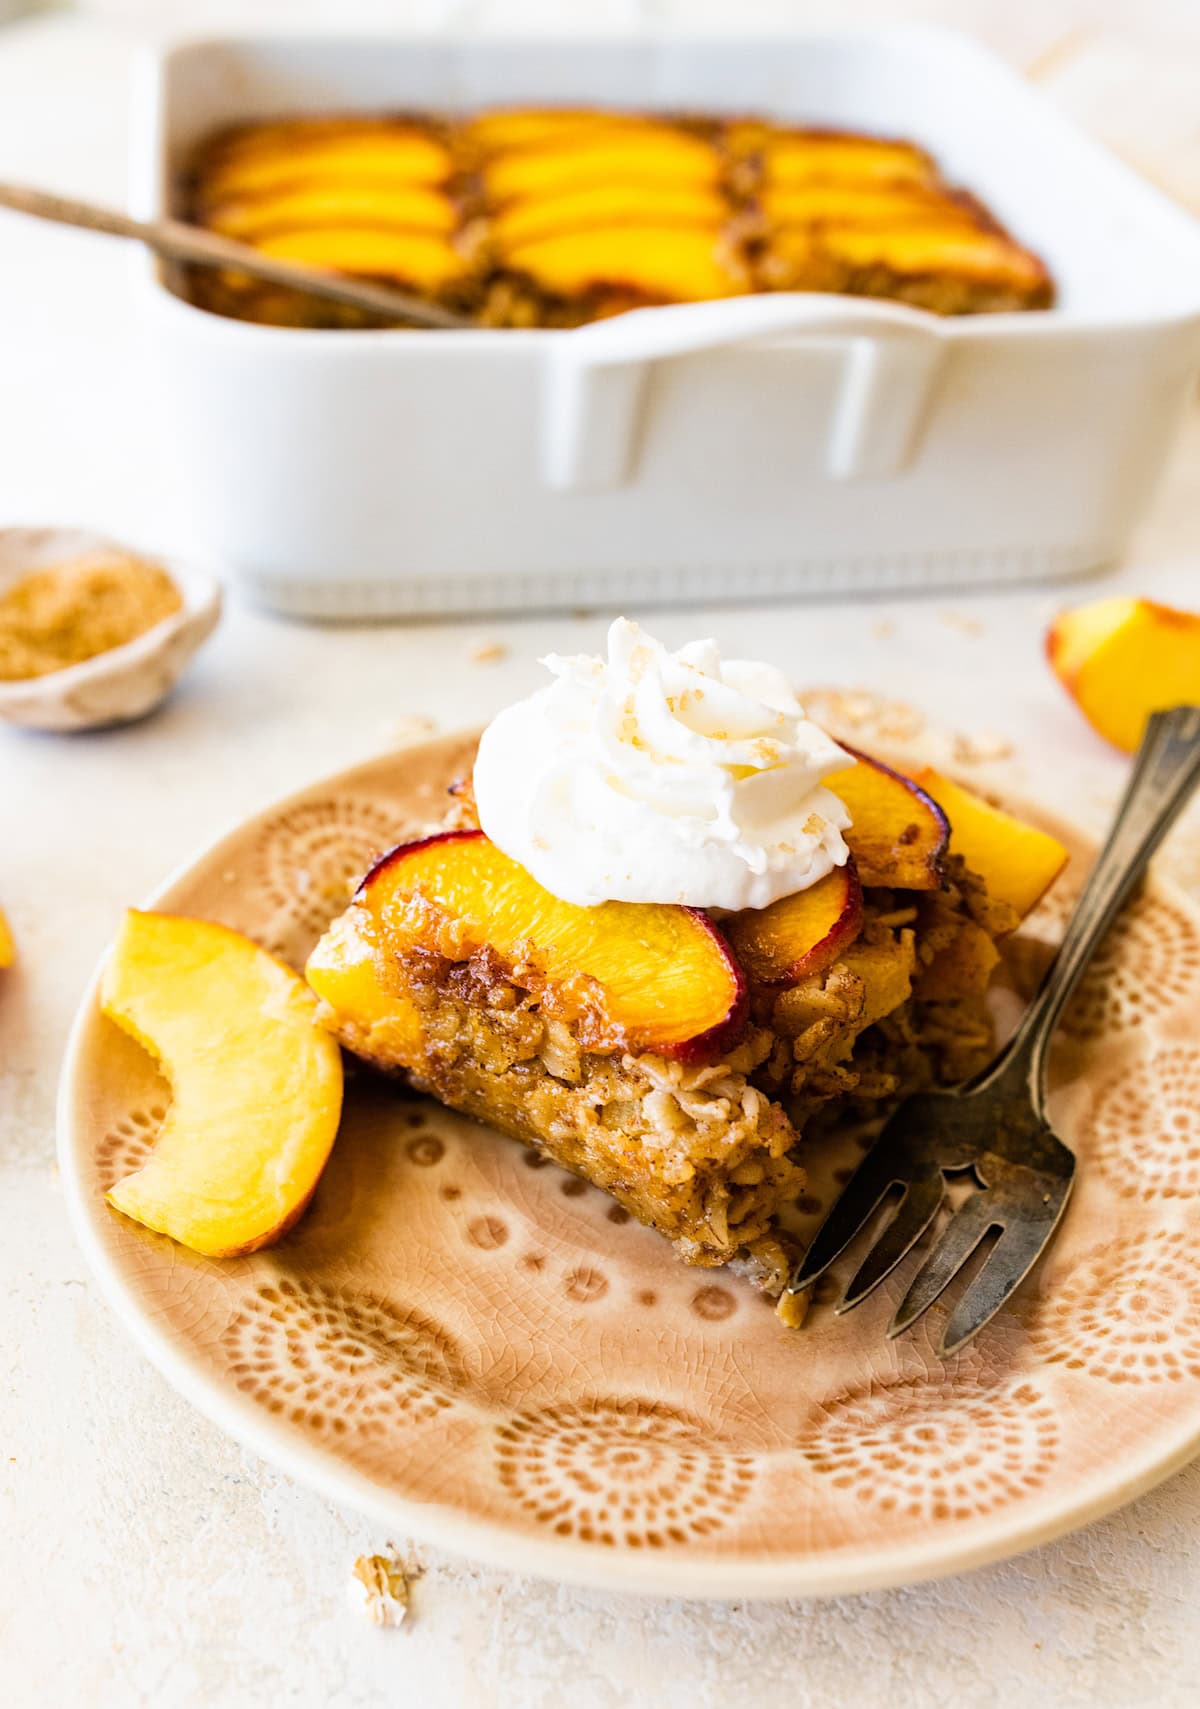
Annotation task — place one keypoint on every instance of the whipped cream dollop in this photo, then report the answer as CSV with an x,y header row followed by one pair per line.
x,y
653,776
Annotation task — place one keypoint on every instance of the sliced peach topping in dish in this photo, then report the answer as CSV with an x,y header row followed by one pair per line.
x,y
635,976
937,246
394,156
667,263
860,204
416,258
8,948
405,208
897,834
1017,862
813,158
507,130
608,205
1122,659
656,156
256,1083
302,135
800,934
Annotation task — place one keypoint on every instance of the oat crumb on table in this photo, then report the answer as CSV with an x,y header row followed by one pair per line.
x,y
382,1585
959,620
402,732
488,653
974,750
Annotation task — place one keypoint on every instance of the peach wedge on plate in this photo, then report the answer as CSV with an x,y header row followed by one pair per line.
x,y
1017,862
256,1084
898,834
800,934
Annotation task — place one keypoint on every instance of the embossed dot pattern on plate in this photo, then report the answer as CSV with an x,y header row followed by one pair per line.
x,y
485,1339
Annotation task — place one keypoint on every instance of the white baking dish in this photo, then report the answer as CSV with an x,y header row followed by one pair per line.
x,y
683,454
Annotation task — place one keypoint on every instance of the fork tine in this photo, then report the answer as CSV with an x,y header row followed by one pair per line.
x,y
914,1214
962,1235
1010,1261
874,1178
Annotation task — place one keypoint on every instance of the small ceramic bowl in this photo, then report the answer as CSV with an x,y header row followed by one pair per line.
x,y
125,682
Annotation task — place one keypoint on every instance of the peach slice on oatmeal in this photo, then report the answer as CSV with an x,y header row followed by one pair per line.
x,y
256,1083
898,834
608,205
641,155
1018,862
633,976
669,262
507,130
424,260
1122,659
8,948
288,160
406,208
800,934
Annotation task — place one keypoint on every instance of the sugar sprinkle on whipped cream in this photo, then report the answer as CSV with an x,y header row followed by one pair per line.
x,y
653,776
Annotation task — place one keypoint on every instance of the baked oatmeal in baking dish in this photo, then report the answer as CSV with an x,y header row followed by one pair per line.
x,y
555,217
671,931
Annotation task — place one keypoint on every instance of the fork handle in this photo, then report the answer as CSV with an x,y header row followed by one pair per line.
x,y
1166,769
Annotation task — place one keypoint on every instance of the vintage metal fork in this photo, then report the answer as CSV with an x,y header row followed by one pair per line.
x,y
996,1125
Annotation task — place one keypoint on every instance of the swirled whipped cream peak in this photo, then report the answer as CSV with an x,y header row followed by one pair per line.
x,y
652,776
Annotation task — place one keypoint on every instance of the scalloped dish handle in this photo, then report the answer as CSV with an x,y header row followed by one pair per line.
x,y
596,380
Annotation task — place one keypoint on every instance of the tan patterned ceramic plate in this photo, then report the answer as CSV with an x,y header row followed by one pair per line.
x,y
489,1354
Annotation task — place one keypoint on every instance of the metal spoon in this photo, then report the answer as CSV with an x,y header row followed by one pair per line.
x,y
180,242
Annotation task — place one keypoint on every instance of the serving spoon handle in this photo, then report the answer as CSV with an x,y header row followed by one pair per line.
x,y
180,242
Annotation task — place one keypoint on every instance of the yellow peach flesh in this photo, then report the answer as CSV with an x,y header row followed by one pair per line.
x,y
897,834
664,976
546,128
353,158
940,245
403,208
858,204
1122,659
610,205
256,1084
821,159
672,264
412,257
800,934
8,948
1018,862
669,157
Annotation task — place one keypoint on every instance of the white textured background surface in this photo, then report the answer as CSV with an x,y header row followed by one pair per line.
x,y
144,1558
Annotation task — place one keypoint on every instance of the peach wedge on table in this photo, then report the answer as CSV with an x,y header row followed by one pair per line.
x,y
256,1084
634,976
1122,659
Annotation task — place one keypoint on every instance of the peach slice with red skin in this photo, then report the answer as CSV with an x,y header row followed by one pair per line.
x,y
634,976
1122,659
898,834
800,934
